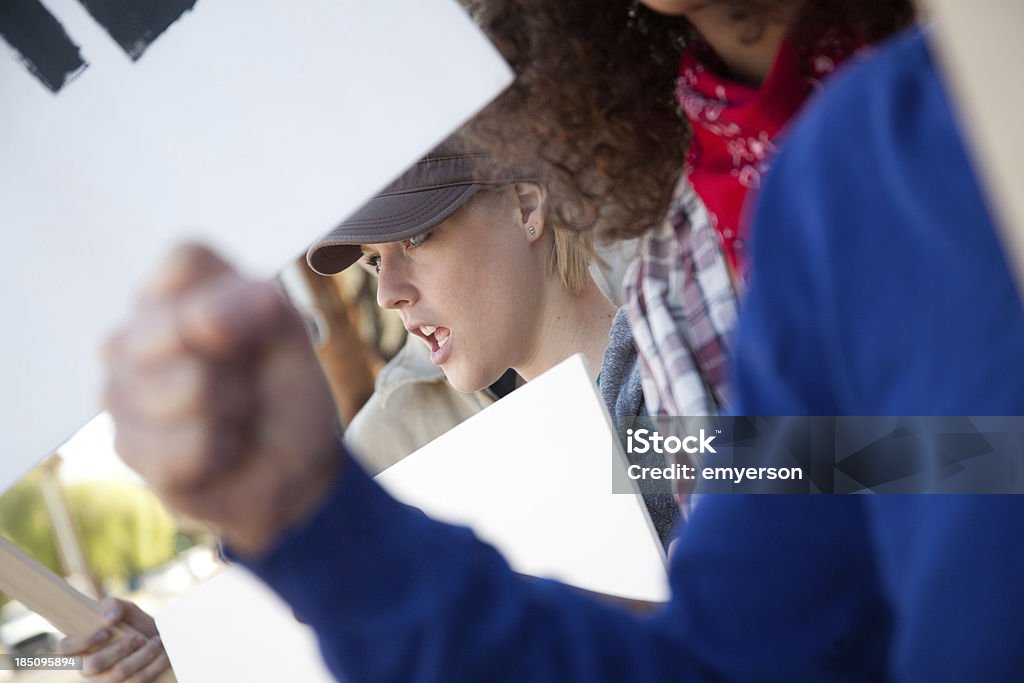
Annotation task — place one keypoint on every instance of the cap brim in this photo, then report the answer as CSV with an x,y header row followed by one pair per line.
x,y
388,218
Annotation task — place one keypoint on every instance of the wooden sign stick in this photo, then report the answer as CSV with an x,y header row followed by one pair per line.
x,y
51,597
978,46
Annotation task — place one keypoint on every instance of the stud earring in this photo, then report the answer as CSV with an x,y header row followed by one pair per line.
x,y
533,231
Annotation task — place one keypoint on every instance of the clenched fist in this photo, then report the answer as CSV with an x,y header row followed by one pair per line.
x,y
219,403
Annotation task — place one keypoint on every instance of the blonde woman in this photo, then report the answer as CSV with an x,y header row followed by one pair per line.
x,y
467,253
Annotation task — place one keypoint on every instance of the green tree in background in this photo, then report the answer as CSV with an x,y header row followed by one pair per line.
x,y
123,528
25,521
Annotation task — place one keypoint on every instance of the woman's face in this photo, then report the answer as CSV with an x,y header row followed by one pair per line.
x,y
469,288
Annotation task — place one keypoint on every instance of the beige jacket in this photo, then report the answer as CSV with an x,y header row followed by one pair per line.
x,y
412,404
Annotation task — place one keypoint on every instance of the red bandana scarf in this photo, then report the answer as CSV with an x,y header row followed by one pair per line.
x,y
734,126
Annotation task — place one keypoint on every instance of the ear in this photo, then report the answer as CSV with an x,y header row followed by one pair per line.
x,y
532,199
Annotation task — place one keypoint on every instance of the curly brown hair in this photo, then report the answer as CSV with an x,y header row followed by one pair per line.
x,y
592,103
593,100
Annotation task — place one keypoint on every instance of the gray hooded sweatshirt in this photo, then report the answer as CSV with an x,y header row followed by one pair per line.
x,y
623,393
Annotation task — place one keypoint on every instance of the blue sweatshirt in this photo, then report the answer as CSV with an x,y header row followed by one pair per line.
x,y
878,288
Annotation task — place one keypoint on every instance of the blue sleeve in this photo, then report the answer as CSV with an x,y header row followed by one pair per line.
x,y
396,596
785,353
879,288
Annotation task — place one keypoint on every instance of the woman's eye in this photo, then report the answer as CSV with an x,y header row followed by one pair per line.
x,y
373,262
417,240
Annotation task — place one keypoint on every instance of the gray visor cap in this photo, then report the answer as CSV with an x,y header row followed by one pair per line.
x,y
422,198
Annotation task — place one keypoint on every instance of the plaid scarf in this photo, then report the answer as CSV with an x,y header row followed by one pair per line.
x,y
682,307
680,295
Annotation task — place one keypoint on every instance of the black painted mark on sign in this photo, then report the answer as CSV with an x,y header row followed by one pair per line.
x,y
135,25
42,43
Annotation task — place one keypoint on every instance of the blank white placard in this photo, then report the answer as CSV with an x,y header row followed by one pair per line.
x,y
254,125
234,628
532,475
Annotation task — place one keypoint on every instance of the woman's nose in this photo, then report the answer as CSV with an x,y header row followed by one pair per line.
x,y
394,288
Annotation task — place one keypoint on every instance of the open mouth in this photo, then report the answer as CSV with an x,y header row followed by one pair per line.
x,y
436,337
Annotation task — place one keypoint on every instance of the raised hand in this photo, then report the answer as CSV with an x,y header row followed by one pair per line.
x,y
218,400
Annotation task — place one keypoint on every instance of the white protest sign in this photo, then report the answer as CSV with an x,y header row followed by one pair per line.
x,y
234,628
254,126
532,475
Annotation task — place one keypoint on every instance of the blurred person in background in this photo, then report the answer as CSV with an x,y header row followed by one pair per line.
x,y
598,96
